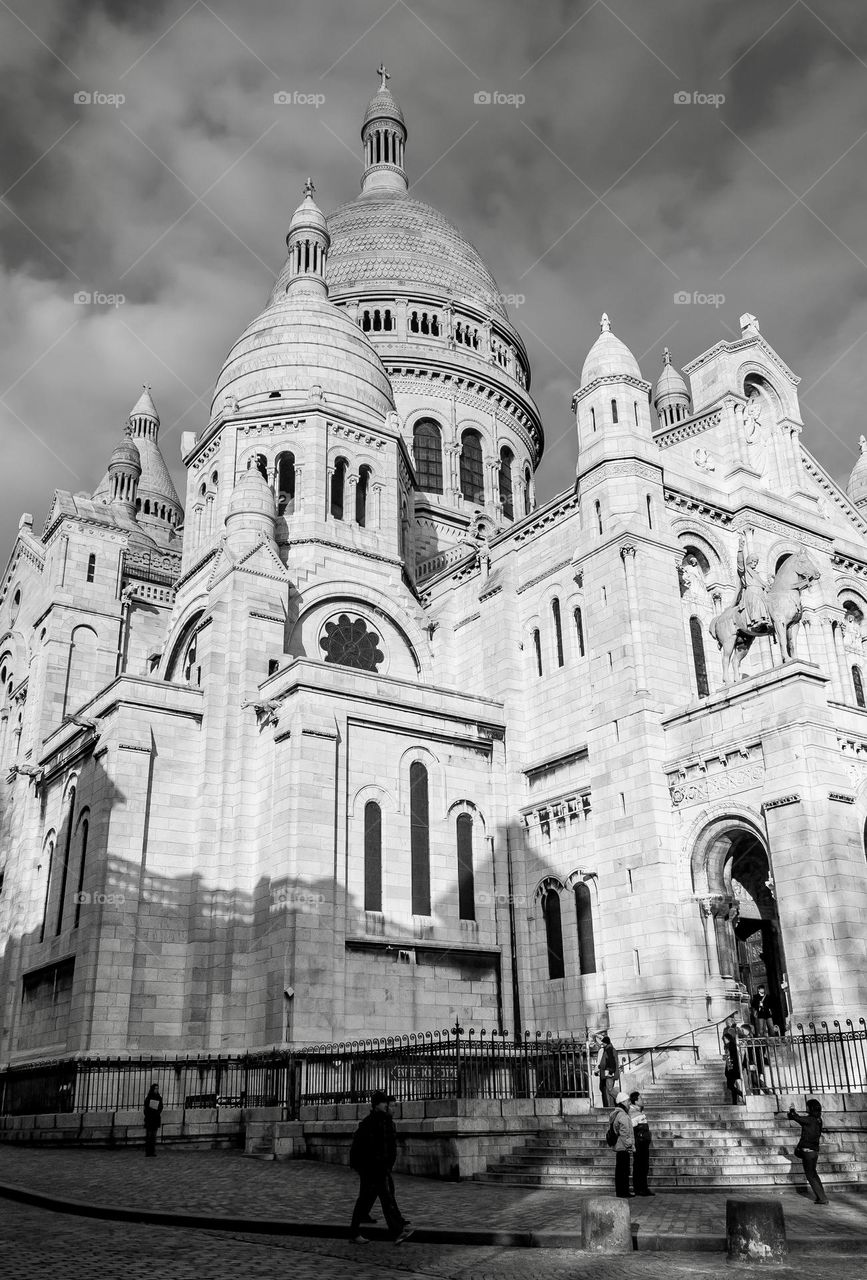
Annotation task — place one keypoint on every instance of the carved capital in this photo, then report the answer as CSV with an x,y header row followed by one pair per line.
x,y
628,552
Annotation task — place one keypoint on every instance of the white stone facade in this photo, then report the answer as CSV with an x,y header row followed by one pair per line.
x,y
362,724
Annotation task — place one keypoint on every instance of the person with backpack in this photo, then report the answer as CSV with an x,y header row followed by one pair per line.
x,y
621,1137
606,1069
808,1145
372,1156
641,1135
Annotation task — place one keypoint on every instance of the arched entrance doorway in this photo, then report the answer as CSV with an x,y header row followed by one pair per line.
x,y
732,878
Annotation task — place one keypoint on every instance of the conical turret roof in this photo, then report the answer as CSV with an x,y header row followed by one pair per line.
x,y
857,486
608,357
671,381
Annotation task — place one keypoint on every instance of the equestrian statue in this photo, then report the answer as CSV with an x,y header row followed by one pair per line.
x,y
763,608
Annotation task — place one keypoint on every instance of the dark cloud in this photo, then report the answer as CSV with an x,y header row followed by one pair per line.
x,y
694,192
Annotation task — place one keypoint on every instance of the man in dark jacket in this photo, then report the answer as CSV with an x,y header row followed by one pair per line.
x,y
374,1149
763,1017
152,1109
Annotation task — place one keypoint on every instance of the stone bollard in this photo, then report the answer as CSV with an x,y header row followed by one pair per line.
x,y
606,1226
755,1231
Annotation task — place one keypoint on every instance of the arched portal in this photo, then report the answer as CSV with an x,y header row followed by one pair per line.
x,y
732,878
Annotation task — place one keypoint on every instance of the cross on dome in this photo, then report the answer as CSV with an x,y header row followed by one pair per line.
x,y
381,71
309,188
666,356
605,323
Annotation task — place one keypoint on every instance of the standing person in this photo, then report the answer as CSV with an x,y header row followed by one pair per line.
x,y
763,1018
732,1060
606,1066
374,1149
808,1145
153,1106
641,1137
623,1147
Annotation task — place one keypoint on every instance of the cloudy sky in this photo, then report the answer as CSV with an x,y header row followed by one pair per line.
x,y
599,191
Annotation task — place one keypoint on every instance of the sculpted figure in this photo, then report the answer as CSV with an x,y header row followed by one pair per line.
x,y
753,592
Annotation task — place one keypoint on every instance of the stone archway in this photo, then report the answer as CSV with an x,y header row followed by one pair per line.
x,y
732,879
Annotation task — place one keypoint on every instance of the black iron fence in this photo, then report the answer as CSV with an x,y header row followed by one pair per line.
x,y
823,1058
434,1065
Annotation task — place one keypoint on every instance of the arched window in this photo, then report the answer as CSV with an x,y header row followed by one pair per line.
x,y
466,884
598,508
261,464
82,675
698,658
427,450
338,485
593,418
527,491
537,646
419,830
635,409
558,630
372,856
586,942
286,484
506,458
472,467
83,829
649,513
91,567
177,666
579,631
859,686
64,869
49,854
553,933
361,490
614,411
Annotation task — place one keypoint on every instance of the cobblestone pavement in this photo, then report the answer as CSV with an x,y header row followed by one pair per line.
x,y
38,1243
189,1180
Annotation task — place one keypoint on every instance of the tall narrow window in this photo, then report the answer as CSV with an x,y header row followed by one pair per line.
x,y
48,871
372,856
593,418
649,513
586,942
472,467
537,646
361,491
698,657
91,567
506,500
427,448
286,484
553,934
466,884
84,826
338,485
614,411
859,686
579,632
558,631
64,870
419,839
528,501
598,506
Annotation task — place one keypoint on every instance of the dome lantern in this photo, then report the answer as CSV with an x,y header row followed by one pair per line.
x,y
383,136
124,473
671,397
308,243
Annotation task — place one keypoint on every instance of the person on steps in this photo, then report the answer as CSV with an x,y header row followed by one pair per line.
x,y
732,1060
606,1068
808,1145
641,1135
624,1146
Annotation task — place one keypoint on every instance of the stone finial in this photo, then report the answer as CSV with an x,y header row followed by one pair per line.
x,y
862,441
666,357
749,325
309,188
381,71
605,323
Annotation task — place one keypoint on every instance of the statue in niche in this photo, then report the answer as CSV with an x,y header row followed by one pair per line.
x,y
756,435
692,579
853,635
753,591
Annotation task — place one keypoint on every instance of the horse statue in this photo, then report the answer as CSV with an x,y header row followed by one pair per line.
x,y
736,627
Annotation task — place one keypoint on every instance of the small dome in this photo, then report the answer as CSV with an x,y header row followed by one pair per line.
x,y
301,342
252,496
125,455
671,381
857,486
308,215
609,357
144,407
382,106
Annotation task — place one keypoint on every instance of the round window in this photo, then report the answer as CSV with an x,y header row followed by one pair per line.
x,y
350,642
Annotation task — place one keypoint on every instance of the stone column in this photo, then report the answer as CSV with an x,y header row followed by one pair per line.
x,y
627,554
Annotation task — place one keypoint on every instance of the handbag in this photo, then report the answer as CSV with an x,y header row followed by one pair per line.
x,y
799,1151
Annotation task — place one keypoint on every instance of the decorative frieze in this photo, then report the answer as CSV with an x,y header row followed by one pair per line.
x,y
842,797
780,802
549,572
686,430
553,515
558,814
698,780
706,510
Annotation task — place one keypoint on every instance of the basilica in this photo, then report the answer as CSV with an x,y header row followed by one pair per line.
x,y
359,739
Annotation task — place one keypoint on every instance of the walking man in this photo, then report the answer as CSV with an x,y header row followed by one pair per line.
x,y
373,1153
606,1067
808,1145
152,1109
624,1146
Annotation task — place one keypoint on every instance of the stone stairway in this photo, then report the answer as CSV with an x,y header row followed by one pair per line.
x,y
700,1142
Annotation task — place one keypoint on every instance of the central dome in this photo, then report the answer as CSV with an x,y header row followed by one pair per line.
x,y
389,240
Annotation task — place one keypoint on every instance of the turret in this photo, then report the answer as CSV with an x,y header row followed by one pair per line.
x,y
124,473
671,397
612,404
383,136
308,243
252,512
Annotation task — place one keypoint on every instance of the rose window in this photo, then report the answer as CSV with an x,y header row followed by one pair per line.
x,y
351,643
